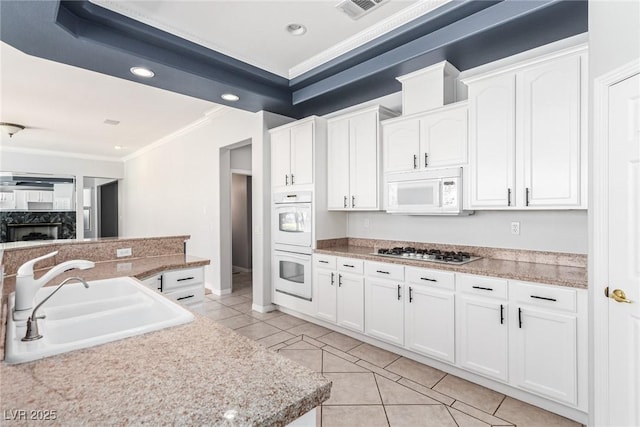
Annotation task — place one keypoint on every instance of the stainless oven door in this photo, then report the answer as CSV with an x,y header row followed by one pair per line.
x,y
292,224
292,274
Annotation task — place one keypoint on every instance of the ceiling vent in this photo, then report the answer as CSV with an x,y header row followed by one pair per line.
x,y
356,9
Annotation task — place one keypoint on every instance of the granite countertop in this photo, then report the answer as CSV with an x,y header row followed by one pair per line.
x,y
193,374
552,274
140,268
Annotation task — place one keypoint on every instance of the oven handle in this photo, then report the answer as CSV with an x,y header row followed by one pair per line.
x,y
282,254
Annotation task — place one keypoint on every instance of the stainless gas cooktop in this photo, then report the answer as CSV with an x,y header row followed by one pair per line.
x,y
429,255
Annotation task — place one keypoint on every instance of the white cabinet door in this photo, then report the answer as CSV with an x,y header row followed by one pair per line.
x,y
325,283
443,138
302,154
364,161
350,311
384,310
549,119
430,322
280,158
482,336
543,353
46,196
338,165
492,142
401,141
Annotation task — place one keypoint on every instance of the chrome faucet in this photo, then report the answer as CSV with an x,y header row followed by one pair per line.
x,y
27,286
32,323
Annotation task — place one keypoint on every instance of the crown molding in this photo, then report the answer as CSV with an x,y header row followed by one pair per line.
x,y
397,20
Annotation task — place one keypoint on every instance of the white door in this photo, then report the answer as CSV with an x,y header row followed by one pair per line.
x,y
624,252
325,283
492,142
443,138
401,145
549,120
350,311
302,154
384,310
364,161
544,353
338,165
430,322
482,336
280,158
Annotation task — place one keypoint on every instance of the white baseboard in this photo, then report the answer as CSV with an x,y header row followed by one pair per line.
x,y
218,292
264,308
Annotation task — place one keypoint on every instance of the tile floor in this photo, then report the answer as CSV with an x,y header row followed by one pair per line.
x,y
372,387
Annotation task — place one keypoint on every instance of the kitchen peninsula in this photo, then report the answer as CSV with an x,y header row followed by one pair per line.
x,y
198,373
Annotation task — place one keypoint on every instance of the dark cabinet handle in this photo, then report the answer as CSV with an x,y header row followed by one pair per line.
x,y
323,261
347,265
286,180
501,314
410,294
181,298
339,280
482,288
332,280
544,298
345,201
426,160
428,280
398,292
508,197
415,161
161,283
527,196
383,272
185,278
519,318
292,179
353,201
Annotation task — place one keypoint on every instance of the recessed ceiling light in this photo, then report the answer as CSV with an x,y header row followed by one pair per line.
x,y
118,147
142,72
296,29
230,97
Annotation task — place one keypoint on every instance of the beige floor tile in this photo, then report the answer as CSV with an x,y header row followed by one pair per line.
x,y
231,300
212,305
243,307
331,363
265,316
313,341
274,339
353,389
472,394
309,329
294,339
427,391
477,413
285,322
258,330
336,352
393,393
378,370
277,346
301,345
419,415
312,359
223,313
464,420
236,322
212,297
525,415
422,374
354,416
373,354
340,341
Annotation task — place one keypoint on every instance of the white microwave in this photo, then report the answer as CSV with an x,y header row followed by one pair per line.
x,y
434,192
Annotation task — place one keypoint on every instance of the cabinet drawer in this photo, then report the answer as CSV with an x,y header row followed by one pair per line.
x,y
189,295
180,278
489,287
152,282
543,296
350,265
435,278
324,261
385,270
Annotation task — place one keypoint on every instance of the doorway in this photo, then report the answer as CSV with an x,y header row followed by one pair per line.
x,y
241,217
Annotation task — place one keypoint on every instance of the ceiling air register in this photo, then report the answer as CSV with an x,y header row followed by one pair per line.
x,y
356,9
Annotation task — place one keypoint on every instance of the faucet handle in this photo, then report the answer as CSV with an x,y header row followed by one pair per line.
x,y
26,269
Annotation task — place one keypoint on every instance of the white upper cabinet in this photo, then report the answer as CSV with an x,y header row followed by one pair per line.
x,y
354,160
292,154
427,140
528,135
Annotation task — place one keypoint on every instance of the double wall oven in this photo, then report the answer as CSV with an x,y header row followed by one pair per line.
x,y
292,243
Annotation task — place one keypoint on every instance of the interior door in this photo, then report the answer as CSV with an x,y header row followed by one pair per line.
x,y
624,252
108,220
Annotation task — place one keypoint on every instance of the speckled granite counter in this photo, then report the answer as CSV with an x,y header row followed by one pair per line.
x,y
552,274
187,375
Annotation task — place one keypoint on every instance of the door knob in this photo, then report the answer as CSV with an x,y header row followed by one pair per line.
x,y
618,295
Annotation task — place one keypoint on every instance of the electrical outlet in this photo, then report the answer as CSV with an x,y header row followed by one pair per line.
x,y
123,252
515,228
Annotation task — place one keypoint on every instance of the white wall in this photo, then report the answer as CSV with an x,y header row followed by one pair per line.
x,y
555,231
241,158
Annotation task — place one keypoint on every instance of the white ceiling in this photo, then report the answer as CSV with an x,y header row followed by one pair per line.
x,y
64,107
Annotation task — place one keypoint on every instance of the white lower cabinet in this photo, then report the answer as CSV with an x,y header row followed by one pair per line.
x,y
324,284
185,286
350,301
482,327
384,302
430,313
